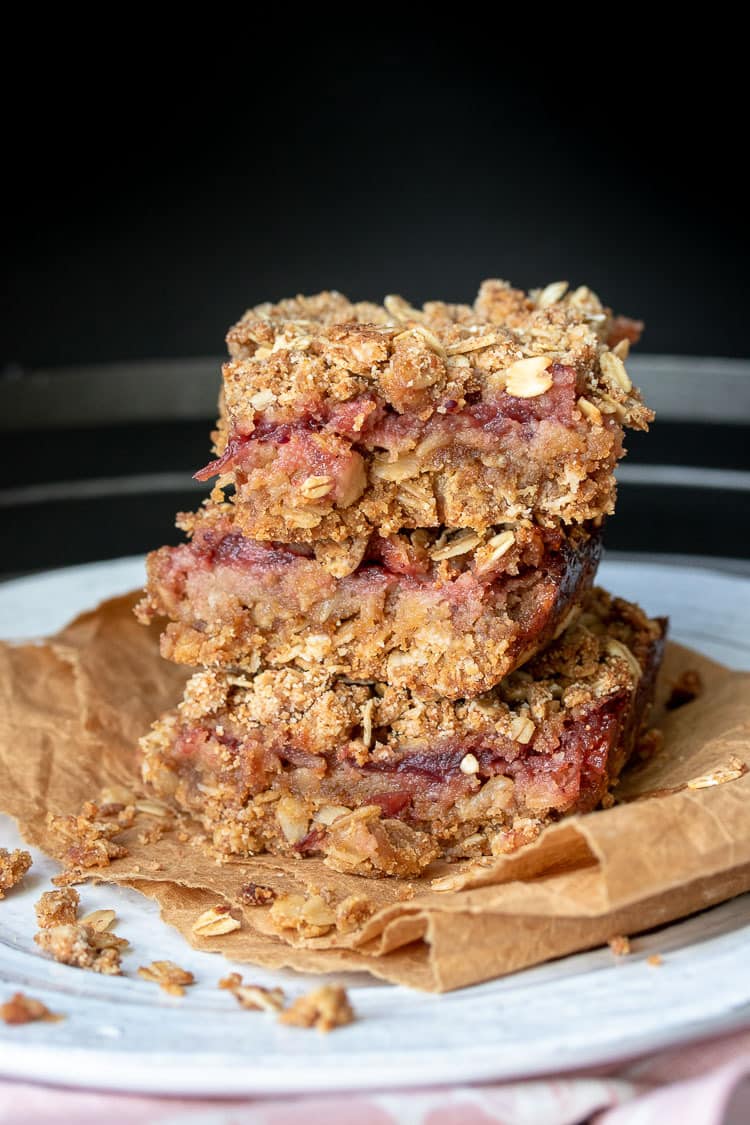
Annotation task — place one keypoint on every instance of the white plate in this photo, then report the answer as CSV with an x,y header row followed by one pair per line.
x,y
123,1033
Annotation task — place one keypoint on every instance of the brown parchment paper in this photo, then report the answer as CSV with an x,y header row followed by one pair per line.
x,y
72,708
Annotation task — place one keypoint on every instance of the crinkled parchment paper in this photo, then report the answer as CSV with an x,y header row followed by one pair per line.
x,y
72,708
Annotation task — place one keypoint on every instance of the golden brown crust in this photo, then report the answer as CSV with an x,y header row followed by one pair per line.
x,y
378,781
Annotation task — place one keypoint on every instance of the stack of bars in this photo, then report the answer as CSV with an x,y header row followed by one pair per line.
x,y
390,589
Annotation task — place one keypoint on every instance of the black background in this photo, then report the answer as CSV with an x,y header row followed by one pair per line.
x,y
157,190
158,182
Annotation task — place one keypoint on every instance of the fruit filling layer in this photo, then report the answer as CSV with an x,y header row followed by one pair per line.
x,y
444,614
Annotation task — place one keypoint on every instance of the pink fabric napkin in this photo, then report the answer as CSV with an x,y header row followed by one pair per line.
x,y
706,1083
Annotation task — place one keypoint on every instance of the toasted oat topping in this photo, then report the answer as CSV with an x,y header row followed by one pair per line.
x,y
324,1008
25,1009
170,977
13,867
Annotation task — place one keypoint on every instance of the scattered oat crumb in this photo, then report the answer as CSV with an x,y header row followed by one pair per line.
x,y
215,922
255,894
253,997
183,837
655,960
685,689
719,776
85,944
352,913
309,914
324,1008
168,976
620,945
57,908
13,867
25,1009
90,839
607,801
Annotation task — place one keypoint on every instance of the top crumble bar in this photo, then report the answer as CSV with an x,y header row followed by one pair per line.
x,y
341,419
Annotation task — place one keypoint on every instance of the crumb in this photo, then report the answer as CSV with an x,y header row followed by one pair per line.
x,y
57,908
650,743
90,840
25,1009
655,960
68,878
324,1008
310,915
215,922
253,997
352,913
152,834
620,945
685,689
183,837
81,946
255,894
13,867
168,976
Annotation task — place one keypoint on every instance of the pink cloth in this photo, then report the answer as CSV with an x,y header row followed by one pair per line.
x,y
703,1084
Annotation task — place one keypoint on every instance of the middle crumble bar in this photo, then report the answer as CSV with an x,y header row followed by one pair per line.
x,y
442,614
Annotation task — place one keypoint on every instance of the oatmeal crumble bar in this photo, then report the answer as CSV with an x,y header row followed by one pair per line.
x,y
377,781
13,867
339,420
444,614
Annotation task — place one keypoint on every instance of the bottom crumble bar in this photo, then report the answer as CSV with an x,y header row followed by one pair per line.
x,y
379,782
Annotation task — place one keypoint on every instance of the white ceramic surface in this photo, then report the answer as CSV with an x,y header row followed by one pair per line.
x,y
123,1033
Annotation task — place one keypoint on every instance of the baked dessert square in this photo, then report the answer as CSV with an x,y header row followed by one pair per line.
x,y
340,420
297,762
441,614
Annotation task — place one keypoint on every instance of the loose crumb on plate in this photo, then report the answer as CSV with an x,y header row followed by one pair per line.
x,y
57,908
13,867
253,997
324,1009
25,1009
170,977
620,945
83,946
655,959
